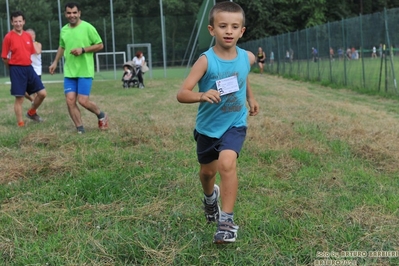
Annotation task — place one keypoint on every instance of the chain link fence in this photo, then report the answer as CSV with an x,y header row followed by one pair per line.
x,y
338,53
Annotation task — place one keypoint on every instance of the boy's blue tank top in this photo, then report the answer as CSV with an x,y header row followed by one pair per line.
x,y
213,120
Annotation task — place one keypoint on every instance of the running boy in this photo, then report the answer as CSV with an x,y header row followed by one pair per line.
x,y
221,123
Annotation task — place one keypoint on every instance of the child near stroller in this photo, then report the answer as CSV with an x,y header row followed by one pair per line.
x,y
129,77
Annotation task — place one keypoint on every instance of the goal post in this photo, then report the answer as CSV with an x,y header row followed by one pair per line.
x,y
98,63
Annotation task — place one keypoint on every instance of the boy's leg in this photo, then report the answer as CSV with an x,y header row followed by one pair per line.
x,y
211,191
227,231
229,182
207,176
230,147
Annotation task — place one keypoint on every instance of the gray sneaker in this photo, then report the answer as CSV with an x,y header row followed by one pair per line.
x,y
212,211
226,232
34,117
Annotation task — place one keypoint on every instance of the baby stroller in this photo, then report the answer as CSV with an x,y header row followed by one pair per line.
x,y
129,77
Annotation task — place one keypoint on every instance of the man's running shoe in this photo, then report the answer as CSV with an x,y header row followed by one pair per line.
x,y
226,232
103,122
212,211
34,117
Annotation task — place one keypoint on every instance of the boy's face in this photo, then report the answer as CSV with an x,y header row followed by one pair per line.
x,y
227,28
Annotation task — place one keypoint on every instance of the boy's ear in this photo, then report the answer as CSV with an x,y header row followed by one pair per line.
x,y
242,31
210,29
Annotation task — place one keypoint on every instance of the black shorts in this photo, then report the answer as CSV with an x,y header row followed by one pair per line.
x,y
208,148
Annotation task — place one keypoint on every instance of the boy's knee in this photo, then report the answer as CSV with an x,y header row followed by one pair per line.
x,y
227,163
207,174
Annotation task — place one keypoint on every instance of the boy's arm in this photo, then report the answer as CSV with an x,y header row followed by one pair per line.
x,y
186,93
253,104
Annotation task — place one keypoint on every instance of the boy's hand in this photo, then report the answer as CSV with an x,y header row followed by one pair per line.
x,y
211,96
253,107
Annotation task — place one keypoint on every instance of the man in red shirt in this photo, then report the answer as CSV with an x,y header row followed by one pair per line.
x,y
16,54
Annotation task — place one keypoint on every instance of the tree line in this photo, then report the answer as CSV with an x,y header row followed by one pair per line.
x,y
263,18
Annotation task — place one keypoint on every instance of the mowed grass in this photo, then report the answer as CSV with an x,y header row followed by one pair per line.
x,y
318,173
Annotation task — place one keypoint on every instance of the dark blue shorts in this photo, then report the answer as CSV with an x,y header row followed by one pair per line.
x,y
24,79
208,148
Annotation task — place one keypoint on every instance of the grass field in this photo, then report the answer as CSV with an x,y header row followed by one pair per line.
x,y
318,177
373,76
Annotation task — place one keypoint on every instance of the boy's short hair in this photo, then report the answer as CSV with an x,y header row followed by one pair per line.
x,y
226,6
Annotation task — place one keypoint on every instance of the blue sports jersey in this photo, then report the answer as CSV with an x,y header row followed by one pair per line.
x,y
213,120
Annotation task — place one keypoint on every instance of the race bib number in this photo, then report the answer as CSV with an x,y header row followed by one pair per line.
x,y
227,85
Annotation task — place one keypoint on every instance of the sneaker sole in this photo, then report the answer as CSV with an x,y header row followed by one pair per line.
x,y
225,241
221,242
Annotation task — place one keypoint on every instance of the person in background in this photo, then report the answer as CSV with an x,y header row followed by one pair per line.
x,y
261,59
221,122
17,49
314,54
271,58
374,52
331,54
36,59
79,65
139,62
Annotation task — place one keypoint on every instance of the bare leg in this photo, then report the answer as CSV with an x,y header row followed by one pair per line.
x,y
87,104
260,67
229,182
40,95
18,108
27,96
207,176
73,108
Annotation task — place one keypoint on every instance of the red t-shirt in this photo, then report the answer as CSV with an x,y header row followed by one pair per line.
x,y
18,48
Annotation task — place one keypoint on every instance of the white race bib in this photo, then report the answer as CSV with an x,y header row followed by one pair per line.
x,y
227,85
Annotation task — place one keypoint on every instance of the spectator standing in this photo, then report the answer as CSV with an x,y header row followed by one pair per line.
x,y
261,59
139,62
374,52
